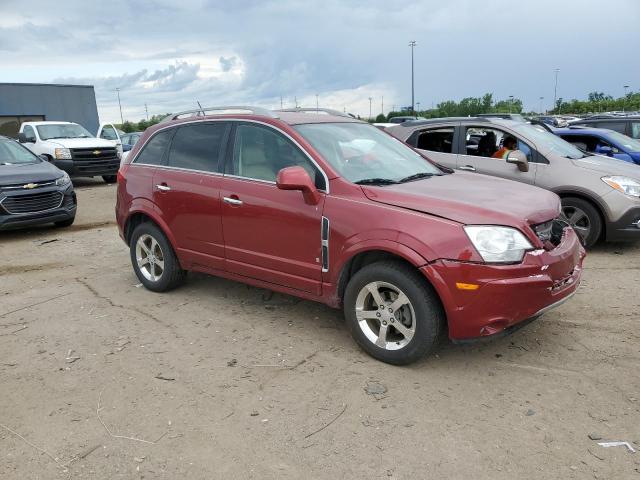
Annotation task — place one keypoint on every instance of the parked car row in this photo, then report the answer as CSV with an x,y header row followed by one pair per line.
x,y
331,209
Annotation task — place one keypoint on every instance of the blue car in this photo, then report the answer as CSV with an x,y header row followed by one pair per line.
x,y
602,142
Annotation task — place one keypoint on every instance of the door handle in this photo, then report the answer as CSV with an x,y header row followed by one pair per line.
x,y
232,201
163,188
468,168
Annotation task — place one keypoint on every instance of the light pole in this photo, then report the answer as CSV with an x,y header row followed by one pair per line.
x,y
120,106
418,103
412,44
295,99
555,90
317,104
624,105
370,100
541,99
280,102
510,102
382,105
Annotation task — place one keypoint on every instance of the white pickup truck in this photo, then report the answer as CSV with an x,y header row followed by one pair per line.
x,y
72,148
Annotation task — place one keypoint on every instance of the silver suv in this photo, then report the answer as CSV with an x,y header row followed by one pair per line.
x,y
600,196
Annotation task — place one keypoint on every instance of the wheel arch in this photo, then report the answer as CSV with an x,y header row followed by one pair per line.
x,y
593,202
142,216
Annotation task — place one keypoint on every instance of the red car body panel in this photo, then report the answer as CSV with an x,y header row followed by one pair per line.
x,y
273,240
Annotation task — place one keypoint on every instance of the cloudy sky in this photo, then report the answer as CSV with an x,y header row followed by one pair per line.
x,y
169,54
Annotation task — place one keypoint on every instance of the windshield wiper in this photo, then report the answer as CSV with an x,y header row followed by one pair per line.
x,y
418,176
375,181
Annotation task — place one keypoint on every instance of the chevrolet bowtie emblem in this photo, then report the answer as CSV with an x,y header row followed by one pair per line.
x,y
96,152
30,186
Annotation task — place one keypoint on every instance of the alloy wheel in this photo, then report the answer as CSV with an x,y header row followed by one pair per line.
x,y
578,219
149,257
385,315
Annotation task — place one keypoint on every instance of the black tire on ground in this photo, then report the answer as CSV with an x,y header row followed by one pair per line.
x,y
110,178
429,315
172,275
65,223
569,204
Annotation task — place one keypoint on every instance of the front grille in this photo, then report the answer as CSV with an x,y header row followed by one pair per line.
x,y
32,203
550,233
21,186
93,153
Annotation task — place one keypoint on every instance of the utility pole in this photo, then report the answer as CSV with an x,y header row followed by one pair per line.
x,y
146,110
541,99
624,105
555,90
412,44
317,104
295,99
120,105
281,102
510,102
370,100
382,105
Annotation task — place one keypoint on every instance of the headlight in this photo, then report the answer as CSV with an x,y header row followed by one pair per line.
x,y
119,153
63,180
498,244
63,154
626,185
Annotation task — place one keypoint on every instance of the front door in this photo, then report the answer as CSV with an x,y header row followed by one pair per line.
x,y
187,191
270,234
482,142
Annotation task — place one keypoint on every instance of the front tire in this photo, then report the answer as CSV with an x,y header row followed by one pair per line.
x,y
153,259
110,178
584,218
392,313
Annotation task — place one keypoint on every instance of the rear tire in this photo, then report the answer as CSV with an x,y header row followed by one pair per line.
x,y
584,218
153,259
399,324
65,223
110,178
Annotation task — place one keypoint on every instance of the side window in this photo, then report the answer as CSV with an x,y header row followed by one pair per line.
x,y
635,130
108,133
583,142
134,139
154,151
617,126
198,146
261,152
29,133
483,142
436,140
526,149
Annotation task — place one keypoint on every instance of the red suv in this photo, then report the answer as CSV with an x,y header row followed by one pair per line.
x,y
325,207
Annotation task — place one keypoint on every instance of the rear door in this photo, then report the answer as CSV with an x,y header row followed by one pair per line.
x,y
270,234
480,142
437,143
186,190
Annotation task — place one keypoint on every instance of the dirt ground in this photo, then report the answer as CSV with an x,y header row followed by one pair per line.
x,y
100,378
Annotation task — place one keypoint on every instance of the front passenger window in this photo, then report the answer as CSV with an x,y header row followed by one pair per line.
x,y
260,153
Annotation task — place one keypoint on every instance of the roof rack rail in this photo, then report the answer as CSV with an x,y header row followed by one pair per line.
x,y
201,112
328,111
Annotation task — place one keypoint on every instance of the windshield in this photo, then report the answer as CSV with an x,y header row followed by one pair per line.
x,y
62,130
628,143
548,142
12,153
361,152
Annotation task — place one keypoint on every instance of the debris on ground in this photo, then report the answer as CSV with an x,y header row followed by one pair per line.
x,y
530,413
167,379
232,363
594,436
375,388
71,358
618,444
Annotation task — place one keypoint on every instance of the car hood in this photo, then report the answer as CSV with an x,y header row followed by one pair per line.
x,y
28,173
609,166
91,142
471,198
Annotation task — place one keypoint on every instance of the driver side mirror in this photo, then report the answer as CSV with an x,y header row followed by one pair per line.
x,y
518,158
605,150
297,178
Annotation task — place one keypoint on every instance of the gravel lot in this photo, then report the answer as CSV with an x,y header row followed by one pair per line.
x,y
103,379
